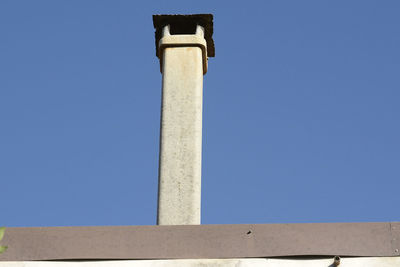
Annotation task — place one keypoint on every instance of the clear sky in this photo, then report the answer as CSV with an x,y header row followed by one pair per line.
x,y
300,124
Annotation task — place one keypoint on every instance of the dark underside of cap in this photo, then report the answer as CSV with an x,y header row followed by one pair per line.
x,y
185,24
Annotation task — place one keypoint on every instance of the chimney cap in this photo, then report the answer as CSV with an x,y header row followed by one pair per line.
x,y
185,24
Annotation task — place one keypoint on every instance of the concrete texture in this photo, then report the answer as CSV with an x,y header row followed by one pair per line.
x,y
344,262
181,128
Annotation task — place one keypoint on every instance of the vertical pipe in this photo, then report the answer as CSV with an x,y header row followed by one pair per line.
x,y
179,196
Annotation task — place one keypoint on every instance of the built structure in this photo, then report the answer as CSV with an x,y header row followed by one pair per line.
x,y
183,45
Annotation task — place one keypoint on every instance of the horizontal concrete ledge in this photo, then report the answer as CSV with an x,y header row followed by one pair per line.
x,y
345,262
201,241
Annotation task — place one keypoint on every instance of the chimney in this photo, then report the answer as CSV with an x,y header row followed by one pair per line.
x,y
183,45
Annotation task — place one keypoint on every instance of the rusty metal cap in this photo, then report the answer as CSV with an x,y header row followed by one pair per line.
x,y
185,24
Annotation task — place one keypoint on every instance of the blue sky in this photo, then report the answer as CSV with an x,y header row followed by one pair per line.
x,y
301,112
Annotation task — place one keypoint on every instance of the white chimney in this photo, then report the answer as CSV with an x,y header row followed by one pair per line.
x,y
183,45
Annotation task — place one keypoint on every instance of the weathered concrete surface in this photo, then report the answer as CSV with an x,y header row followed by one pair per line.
x,y
345,262
179,197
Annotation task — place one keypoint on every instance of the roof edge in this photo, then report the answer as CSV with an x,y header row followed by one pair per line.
x,y
201,241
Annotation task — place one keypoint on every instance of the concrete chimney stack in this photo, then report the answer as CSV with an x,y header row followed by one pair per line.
x,y
183,45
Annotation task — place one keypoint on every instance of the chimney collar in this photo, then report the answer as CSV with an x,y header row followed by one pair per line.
x,y
185,24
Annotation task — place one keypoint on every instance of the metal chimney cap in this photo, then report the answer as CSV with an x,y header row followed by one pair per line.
x,y
185,24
